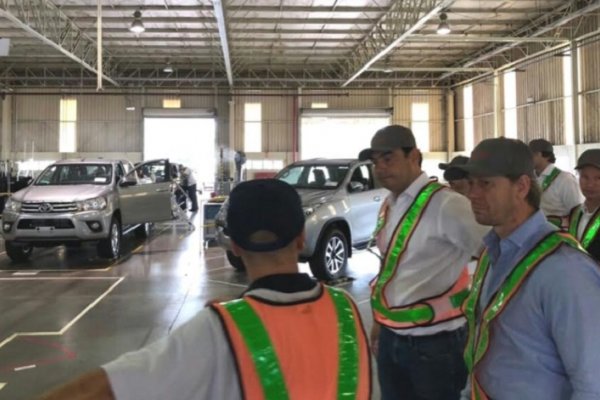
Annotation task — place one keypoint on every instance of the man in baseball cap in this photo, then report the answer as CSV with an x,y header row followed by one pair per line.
x,y
420,271
524,316
456,178
560,192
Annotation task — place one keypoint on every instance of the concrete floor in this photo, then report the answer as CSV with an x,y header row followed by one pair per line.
x,y
65,311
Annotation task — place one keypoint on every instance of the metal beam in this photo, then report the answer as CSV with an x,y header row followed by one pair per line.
x,y
376,45
481,38
45,21
532,30
222,25
430,69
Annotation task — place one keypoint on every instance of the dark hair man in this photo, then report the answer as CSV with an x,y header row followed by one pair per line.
x,y
456,178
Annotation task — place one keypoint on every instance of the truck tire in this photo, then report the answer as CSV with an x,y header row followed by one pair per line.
x,y
111,246
331,256
18,252
235,261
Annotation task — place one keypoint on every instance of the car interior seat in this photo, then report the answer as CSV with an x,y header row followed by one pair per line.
x,y
319,177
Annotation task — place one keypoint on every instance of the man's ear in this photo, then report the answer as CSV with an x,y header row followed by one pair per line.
x,y
300,240
523,185
235,249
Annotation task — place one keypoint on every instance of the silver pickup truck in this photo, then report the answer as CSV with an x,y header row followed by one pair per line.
x,y
341,200
73,201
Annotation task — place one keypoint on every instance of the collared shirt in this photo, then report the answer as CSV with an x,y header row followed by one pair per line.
x,y
586,216
446,238
544,344
562,195
195,361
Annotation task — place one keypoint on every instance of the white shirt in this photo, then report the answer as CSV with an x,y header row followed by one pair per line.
x,y
562,195
195,362
583,222
442,244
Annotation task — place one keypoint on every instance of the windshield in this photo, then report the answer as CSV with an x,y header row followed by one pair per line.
x,y
314,176
76,174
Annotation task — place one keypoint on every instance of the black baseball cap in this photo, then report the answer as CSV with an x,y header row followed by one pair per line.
x,y
499,157
589,157
387,139
268,205
451,173
541,146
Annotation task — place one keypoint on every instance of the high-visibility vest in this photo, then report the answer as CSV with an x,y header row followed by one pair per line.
x,y
308,350
478,341
549,179
426,312
591,229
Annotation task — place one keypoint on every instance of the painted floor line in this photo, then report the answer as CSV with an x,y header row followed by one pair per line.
x,y
219,269
58,278
32,273
213,258
227,283
2,384
68,325
23,368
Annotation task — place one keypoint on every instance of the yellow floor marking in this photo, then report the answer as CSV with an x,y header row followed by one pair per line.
x,y
32,366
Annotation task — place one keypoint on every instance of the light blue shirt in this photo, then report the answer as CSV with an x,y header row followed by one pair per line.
x,y
546,342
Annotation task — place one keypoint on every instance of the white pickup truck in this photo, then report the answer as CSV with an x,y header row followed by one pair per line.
x,y
73,201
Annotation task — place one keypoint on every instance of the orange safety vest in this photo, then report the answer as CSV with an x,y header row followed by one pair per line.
x,y
309,350
426,312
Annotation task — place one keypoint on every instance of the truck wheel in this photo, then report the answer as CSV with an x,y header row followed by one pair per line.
x,y
235,261
18,252
111,246
143,231
331,257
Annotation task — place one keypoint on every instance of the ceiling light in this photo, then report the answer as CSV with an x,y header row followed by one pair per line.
x,y
137,26
130,108
168,69
443,28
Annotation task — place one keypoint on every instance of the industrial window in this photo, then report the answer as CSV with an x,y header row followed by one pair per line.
x,y
469,125
171,103
319,105
420,125
68,126
252,127
510,105
264,165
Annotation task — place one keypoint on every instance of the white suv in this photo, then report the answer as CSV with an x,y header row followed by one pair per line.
x,y
341,200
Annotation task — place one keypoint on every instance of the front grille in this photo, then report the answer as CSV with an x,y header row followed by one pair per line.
x,y
48,208
57,223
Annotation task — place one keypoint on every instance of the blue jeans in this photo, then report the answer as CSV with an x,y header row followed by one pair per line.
x,y
421,367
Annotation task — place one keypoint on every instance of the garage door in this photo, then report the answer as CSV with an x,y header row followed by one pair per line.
x,y
339,133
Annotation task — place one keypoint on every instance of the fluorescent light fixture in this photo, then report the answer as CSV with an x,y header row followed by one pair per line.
x,y
443,28
130,108
137,26
168,69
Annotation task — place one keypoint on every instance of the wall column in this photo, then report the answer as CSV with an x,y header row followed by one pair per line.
x,y
7,104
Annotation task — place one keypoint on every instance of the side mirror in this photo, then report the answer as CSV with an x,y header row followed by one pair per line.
x,y
127,181
354,186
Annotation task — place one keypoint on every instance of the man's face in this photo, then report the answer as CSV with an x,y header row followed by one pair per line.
x,y
538,160
461,186
493,199
589,182
395,170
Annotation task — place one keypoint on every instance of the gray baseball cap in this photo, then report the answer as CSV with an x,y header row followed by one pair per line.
x,y
390,138
499,157
589,157
541,145
450,172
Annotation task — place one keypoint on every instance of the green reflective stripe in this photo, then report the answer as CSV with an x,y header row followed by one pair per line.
x,y
348,358
407,225
591,230
458,299
555,220
510,287
470,307
574,219
550,178
260,347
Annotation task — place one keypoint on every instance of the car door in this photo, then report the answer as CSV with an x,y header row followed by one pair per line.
x,y
365,203
145,194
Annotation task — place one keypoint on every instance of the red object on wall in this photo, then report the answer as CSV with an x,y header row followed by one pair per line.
x,y
264,174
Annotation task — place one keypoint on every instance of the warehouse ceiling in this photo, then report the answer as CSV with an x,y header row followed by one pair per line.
x,y
277,43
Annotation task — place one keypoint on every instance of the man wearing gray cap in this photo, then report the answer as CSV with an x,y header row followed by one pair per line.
x,y
456,178
426,234
533,306
584,220
560,192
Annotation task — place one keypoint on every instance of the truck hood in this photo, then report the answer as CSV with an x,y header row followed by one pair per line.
x,y
310,197
59,193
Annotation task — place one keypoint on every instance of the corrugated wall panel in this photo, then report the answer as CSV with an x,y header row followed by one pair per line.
x,y
589,58
459,122
348,99
36,121
544,120
483,110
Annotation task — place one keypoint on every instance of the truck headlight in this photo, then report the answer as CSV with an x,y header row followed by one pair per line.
x,y
12,205
95,204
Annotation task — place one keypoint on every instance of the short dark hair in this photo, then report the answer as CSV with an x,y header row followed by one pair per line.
x,y
407,150
549,156
534,196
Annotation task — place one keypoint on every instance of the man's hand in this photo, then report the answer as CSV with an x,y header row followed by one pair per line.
x,y
375,338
